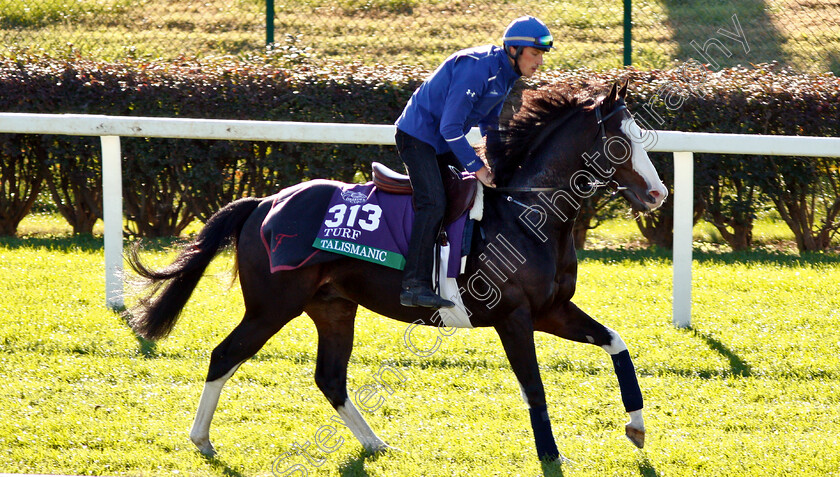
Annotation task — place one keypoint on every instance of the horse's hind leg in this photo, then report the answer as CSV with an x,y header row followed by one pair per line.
x,y
242,343
334,318
268,308
568,321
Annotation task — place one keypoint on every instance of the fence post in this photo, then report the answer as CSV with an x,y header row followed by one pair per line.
x,y
683,237
269,22
628,32
112,216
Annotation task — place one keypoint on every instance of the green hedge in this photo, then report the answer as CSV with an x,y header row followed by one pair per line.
x,y
168,182
731,189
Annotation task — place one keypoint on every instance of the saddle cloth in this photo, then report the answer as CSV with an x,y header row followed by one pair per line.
x,y
297,222
366,223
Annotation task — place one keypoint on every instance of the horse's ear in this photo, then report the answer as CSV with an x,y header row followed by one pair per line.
x,y
622,92
612,96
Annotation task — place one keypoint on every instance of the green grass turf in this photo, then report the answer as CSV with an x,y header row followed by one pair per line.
x,y
751,390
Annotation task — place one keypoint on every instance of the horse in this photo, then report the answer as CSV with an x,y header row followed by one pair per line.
x,y
562,144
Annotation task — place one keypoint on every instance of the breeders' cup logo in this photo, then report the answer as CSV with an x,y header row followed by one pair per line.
x,y
352,197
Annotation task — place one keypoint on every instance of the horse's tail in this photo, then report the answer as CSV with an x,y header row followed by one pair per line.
x,y
155,315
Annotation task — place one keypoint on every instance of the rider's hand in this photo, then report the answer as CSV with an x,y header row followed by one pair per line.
x,y
485,175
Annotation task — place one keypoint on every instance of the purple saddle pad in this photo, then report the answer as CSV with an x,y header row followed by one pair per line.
x,y
360,222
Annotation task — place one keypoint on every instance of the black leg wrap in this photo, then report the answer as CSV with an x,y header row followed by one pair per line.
x,y
631,394
546,447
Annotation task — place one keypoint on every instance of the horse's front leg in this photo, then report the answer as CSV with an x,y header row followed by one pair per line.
x,y
517,336
568,321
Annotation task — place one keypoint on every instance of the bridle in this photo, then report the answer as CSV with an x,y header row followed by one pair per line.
x,y
602,120
597,184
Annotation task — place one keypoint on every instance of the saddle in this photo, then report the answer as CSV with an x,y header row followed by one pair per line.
x,y
460,189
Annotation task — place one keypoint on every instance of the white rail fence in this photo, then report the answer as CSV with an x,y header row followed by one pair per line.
x,y
110,128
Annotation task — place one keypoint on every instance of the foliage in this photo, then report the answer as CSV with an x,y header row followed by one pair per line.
x,y
766,99
170,182
807,196
75,179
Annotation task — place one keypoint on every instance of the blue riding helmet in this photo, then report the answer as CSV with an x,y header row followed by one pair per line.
x,y
528,31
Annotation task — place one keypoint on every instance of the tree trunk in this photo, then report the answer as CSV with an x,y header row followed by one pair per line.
x,y
22,171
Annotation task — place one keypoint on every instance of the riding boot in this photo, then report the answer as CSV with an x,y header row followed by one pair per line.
x,y
423,296
429,206
419,266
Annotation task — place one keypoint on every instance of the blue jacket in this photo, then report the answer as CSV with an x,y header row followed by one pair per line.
x,y
467,90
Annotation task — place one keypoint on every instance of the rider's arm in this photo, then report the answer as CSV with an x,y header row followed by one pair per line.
x,y
465,89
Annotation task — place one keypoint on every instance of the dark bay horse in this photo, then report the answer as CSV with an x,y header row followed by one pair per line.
x,y
520,275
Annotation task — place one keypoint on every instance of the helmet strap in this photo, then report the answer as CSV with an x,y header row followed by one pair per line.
x,y
515,57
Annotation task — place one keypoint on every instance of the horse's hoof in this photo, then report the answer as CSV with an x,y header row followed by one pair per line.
x,y
205,447
636,436
208,450
381,449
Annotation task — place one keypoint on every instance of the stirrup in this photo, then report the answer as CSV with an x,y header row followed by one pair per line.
x,y
423,297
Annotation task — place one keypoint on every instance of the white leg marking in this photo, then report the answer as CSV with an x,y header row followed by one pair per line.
x,y
616,343
636,420
200,432
635,429
360,428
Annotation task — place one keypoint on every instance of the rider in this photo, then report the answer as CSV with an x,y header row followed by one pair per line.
x,y
468,89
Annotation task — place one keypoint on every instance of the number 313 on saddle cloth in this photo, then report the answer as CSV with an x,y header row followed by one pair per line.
x,y
365,223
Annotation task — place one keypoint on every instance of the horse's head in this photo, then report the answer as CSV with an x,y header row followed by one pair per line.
x,y
620,158
569,138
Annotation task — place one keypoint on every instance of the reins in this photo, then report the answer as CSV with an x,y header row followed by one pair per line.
x,y
593,185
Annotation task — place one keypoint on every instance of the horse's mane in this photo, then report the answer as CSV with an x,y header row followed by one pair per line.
x,y
507,149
